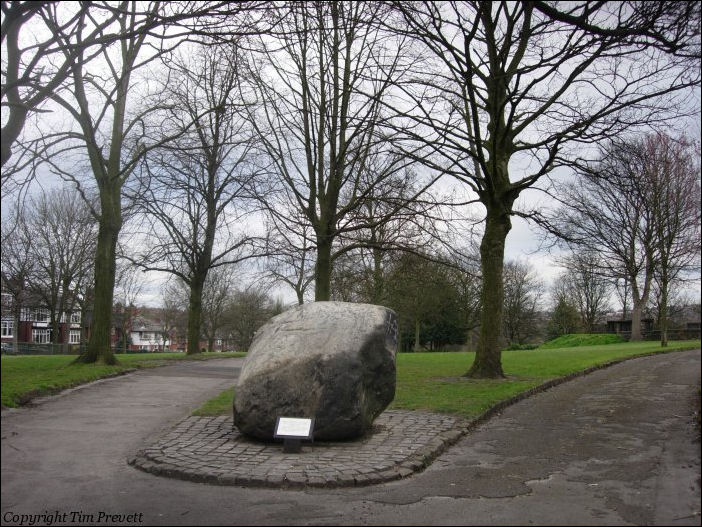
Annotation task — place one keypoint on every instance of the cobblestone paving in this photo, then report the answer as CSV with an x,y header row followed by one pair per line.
x,y
208,449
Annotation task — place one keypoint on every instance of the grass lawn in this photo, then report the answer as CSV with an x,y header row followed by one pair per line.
x,y
434,382
220,405
24,377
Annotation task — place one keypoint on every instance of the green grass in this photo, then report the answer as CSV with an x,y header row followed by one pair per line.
x,y
434,382
24,377
582,339
220,405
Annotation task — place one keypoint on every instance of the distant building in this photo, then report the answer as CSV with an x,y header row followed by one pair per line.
x,y
180,343
683,323
147,335
35,324
142,330
623,327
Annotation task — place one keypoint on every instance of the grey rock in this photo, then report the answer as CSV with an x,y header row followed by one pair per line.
x,y
333,361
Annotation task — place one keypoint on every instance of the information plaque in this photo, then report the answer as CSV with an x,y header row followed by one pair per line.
x,y
292,430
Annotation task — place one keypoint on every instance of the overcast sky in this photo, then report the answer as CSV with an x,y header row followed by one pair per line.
x,y
522,242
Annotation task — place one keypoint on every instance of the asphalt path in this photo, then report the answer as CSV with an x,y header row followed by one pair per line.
x,y
615,447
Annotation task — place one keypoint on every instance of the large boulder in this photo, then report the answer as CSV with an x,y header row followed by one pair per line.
x,y
333,361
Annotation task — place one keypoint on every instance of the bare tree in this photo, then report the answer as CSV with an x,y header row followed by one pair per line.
x,y
523,292
290,251
48,253
216,296
389,219
672,175
638,208
41,40
564,317
97,101
248,310
606,212
322,84
112,133
174,313
529,84
394,217
129,284
588,288
195,190
623,292
62,235
17,264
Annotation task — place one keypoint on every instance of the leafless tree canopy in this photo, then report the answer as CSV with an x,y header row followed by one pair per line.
x,y
637,207
47,255
587,287
503,84
339,118
523,294
196,190
322,83
43,41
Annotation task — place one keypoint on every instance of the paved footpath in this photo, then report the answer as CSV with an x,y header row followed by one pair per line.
x,y
613,447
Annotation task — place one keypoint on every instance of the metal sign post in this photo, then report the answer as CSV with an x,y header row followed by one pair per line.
x,y
293,430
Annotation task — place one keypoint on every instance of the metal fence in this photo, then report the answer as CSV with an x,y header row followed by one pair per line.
x,y
673,334
33,348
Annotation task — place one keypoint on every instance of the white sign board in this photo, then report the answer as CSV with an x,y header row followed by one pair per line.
x,y
293,427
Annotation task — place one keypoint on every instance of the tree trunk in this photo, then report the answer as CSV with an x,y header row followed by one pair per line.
x,y
16,310
195,315
488,359
663,311
10,133
16,111
322,269
99,345
417,346
55,328
636,311
639,299
638,305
